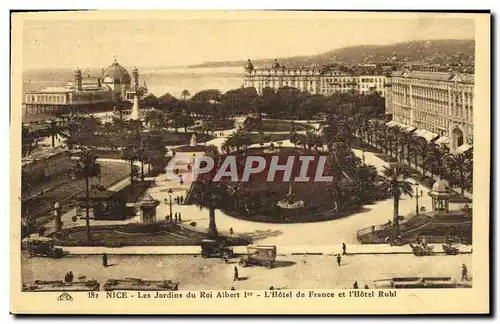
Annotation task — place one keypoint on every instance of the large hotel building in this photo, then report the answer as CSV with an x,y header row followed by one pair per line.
x,y
438,105
313,80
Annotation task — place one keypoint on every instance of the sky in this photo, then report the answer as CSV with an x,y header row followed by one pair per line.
x,y
157,42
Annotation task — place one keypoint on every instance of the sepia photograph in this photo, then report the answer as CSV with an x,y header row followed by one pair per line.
x,y
216,161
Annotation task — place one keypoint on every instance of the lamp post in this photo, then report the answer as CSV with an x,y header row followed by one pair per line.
x,y
363,156
170,195
417,195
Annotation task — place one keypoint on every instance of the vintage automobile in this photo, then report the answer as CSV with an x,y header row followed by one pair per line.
x,y
262,255
422,249
449,249
212,248
42,246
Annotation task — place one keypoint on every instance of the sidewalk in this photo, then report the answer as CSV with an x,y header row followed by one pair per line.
x,y
359,249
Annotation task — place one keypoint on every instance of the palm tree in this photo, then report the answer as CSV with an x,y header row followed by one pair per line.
x,y
86,168
53,130
458,165
185,94
130,154
27,140
395,180
420,149
435,159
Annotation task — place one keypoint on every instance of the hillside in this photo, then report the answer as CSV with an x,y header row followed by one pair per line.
x,y
433,51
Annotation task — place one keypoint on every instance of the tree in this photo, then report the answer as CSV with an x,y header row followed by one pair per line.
x,y
86,168
53,130
458,165
130,154
185,94
27,140
395,181
435,159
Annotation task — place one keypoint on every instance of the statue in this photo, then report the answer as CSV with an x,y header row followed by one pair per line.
x,y
193,141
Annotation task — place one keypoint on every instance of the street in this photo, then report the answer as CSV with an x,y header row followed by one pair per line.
x,y
292,272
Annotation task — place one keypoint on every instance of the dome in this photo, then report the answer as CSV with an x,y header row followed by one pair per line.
x,y
116,74
439,186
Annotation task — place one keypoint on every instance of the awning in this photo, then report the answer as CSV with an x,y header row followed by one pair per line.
x,y
464,148
443,140
428,136
408,128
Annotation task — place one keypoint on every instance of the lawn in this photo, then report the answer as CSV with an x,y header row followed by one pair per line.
x,y
269,125
255,138
153,234
257,198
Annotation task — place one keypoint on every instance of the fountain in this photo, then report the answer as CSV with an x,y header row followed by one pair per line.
x,y
289,202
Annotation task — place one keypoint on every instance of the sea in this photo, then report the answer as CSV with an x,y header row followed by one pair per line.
x,y
159,81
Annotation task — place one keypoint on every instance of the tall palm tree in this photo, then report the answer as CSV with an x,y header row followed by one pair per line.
x,y
53,130
27,140
130,154
420,149
185,94
435,159
458,164
395,180
86,168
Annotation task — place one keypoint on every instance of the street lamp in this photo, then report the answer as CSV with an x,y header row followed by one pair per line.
x,y
170,195
417,195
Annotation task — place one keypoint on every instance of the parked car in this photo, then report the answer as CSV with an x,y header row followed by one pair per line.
x,y
262,255
43,246
212,248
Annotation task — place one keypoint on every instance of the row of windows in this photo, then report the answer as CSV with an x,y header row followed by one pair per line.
x,y
46,98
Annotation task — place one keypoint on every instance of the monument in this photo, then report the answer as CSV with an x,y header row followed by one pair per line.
x,y
135,108
193,141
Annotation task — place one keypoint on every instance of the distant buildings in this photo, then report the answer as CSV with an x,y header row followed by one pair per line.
x,y
325,81
91,93
439,104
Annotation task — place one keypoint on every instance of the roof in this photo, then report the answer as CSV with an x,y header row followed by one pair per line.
x,y
439,186
117,73
95,193
56,89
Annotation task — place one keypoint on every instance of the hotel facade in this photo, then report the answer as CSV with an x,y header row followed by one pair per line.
x,y
437,105
313,80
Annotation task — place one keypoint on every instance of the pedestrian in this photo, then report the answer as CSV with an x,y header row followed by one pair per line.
x,y
176,199
176,171
465,272
180,220
344,249
355,286
189,167
339,258
231,232
176,217
70,276
181,180
271,288
182,199
232,288
366,287
104,259
236,277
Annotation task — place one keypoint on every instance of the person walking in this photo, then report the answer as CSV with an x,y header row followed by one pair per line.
x,y
355,286
339,258
236,277
344,247
180,220
465,273
182,199
231,232
104,259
